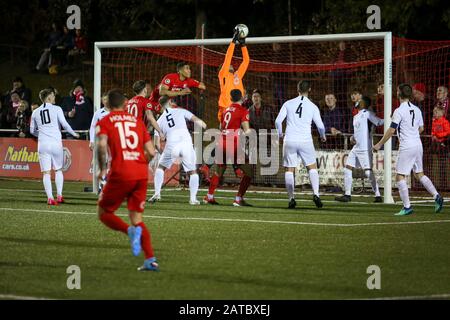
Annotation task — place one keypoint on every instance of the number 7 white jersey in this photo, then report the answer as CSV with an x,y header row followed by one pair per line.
x,y
408,119
173,125
46,123
299,112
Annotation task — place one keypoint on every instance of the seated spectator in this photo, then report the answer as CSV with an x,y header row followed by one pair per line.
x,y
442,99
65,44
336,121
52,42
440,131
77,107
80,47
261,115
18,87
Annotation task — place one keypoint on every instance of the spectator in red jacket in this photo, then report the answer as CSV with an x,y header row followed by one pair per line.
x,y
440,129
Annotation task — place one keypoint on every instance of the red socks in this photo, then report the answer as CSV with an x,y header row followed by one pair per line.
x,y
214,183
146,242
114,222
243,186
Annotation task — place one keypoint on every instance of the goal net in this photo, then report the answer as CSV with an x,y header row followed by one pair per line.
x,y
337,65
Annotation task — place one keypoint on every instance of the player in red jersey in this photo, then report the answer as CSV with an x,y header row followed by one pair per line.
x,y
176,84
130,149
141,106
233,119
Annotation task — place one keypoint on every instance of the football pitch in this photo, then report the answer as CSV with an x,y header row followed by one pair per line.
x,y
222,252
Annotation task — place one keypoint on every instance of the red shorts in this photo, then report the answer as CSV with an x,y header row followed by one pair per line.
x,y
230,152
115,192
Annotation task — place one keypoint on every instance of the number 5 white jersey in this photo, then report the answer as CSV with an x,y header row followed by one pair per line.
x,y
46,123
299,112
173,125
408,119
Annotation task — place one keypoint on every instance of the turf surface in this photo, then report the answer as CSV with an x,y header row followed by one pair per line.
x,y
222,252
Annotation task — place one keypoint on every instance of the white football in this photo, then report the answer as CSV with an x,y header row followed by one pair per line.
x,y
243,30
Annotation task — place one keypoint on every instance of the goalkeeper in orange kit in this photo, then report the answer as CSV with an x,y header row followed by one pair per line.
x,y
228,78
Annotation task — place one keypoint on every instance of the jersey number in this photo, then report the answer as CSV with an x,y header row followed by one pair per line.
x,y
170,121
413,115
299,110
133,109
45,116
227,119
125,133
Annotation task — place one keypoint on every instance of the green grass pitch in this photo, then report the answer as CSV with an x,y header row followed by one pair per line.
x,y
222,252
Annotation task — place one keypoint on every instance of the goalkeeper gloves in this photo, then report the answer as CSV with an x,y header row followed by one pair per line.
x,y
236,36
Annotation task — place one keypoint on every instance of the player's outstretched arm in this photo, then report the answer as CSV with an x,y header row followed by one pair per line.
x,y
375,120
154,123
102,154
319,124
92,131
246,127
279,121
245,62
198,121
149,150
227,62
165,91
63,122
33,126
387,135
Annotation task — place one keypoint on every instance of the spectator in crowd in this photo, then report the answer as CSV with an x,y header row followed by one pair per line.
x,y
80,47
65,44
379,106
78,108
440,145
442,99
356,96
440,130
23,117
419,99
13,106
261,115
336,121
52,42
340,76
18,87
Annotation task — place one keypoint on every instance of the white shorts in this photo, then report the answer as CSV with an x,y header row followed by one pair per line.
x,y
410,159
359,159
51,156
183,150
293,150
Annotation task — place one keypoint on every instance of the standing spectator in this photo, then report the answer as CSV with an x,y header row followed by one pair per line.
x,y
12,107
18,87
379,106
440,135
442,99
419,99
23,117
356,96
52,42
336,121
261,115
78,108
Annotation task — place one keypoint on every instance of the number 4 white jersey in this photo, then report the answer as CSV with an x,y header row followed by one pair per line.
x,y
173,125
299,112
408,119
46,123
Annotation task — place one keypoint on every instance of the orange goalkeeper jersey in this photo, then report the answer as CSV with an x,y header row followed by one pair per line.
x,y
229,81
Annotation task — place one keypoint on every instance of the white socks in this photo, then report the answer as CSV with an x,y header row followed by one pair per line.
x,y
193,186
48,185
403,190
289,180
314,179
348,181
373,181
59,181
426,182
158,180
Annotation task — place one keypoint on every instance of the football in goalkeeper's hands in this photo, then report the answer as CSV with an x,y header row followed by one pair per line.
x,y
243,30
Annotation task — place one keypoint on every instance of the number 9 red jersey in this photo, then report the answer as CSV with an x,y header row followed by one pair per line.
x,y
233,117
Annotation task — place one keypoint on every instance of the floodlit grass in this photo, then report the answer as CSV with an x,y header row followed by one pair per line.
x,y
221,252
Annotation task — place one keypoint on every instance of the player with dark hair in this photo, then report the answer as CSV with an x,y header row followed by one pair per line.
x,y
407,120
130,148
234,118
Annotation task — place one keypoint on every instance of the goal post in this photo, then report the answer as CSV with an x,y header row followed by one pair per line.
x,y
384,37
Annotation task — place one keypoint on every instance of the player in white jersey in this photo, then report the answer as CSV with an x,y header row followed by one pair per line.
x,y
407,120
46,122
172,122
299,113
98,115
361,154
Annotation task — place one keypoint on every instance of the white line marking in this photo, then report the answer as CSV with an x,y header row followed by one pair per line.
x,y
243,220
15,297
433,296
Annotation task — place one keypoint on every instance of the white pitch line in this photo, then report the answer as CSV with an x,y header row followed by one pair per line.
x,y
15,297
432,296
243,220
